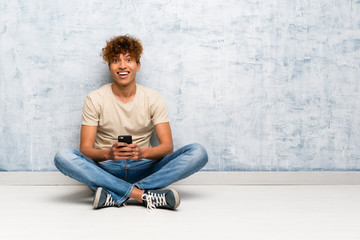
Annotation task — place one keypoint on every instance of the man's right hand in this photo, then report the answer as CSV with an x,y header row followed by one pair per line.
x,y
120,151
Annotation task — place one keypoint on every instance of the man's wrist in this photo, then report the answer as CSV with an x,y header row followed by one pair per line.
x,y
107,153
142,152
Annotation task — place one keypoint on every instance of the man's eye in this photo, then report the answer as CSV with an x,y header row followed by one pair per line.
x,y
116,61
129,60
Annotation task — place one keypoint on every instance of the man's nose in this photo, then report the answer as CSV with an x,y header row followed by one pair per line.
x,y
122,64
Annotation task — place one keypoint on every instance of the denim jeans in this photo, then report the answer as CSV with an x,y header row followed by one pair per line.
x,y
120,177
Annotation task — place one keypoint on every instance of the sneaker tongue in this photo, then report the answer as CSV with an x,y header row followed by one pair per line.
x,y
152,200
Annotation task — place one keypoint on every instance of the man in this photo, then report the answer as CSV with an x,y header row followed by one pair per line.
x,y
117,171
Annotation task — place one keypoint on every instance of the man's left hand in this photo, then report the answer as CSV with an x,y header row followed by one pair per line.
x,y
136,151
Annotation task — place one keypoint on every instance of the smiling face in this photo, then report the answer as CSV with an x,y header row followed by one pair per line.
x,y
123,69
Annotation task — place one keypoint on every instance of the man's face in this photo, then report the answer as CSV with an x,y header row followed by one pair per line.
x,y
123,69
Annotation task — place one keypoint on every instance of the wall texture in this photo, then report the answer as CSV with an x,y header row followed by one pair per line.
x,y
264,85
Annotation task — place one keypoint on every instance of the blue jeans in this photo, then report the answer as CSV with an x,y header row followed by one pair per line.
x,y
120,177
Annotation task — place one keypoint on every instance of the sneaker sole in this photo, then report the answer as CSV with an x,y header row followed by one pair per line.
x,y
97,197
177,197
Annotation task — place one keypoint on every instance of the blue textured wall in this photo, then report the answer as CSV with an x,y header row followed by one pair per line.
x,y
264,85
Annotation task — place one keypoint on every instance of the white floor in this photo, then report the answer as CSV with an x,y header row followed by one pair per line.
x,y
206,212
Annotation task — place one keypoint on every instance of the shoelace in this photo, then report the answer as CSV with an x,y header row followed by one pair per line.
x,y
154,200
109,201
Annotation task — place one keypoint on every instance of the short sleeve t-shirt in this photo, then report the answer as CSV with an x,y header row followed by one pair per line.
x,y
113,117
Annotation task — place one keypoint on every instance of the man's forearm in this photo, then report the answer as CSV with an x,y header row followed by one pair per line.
x,y
98,155
155,153
158,152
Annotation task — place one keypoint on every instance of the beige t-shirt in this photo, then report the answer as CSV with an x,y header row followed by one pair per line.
x,y
113,117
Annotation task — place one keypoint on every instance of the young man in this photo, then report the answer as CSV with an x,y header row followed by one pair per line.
x,y
117,171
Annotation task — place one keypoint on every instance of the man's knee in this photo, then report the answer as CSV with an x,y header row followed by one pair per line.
x,y
200,153
64,157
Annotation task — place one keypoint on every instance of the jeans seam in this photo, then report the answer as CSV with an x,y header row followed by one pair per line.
x,y
126,195
126,171
139,186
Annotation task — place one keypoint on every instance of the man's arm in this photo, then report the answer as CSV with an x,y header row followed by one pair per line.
x,y
163,133
87,140
121,150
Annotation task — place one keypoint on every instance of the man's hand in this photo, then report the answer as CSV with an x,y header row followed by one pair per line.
x,y
121,151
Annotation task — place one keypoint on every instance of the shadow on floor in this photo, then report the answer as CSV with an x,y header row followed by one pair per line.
x,y
80,196
85,196
187,193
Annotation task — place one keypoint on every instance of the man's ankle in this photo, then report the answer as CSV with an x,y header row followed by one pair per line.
x,y
137,194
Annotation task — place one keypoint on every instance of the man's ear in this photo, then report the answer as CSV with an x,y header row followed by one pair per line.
x,y
138,66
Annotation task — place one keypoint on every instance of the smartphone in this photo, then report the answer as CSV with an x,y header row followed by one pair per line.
x,y
125,138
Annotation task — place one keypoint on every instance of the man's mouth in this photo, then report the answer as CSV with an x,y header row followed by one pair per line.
x,y
123,74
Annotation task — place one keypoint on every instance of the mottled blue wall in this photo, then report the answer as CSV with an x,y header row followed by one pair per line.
x,y
264,85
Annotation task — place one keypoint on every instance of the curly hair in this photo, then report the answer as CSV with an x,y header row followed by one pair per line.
x,y
122,45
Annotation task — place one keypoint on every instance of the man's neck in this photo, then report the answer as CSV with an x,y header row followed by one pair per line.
x,y
124,93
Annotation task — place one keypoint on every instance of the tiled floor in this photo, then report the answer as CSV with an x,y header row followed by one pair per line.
x,y
206,212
